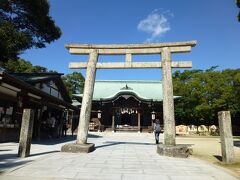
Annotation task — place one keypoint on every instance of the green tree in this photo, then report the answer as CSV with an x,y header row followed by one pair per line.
x,y
238,5
204,93
187,87
38,69
25,24
22,66
74,83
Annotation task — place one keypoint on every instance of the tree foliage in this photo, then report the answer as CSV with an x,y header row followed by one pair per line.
x,y
25,24
22,66
204,93
74,83
238,5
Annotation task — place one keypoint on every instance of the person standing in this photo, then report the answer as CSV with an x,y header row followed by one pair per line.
x,y
157,130
49,125
53,123
65,124
58,126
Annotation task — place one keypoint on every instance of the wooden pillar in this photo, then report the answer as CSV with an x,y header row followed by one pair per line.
x,y
168,103
224,119
152,126
26,133
87,98
39,119
113,122
139,122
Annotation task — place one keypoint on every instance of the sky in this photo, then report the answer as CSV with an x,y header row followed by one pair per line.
x,y
212,23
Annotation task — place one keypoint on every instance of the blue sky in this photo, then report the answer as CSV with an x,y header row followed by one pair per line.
x,y
212,23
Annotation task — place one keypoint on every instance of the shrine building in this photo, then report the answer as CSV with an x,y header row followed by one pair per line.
x,y
45,93
125,105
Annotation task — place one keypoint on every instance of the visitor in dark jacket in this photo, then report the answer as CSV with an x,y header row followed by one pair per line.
x,y
157,130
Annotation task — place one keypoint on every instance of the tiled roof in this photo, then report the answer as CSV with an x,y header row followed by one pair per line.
x,y
35,77
146,90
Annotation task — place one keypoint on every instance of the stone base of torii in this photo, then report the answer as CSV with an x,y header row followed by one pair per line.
x,y
164,49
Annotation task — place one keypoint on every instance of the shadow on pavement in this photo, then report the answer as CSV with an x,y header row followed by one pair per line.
x,y
236,143
7,157
11,164
10,161
5,150
53,141
42,153
113,143
218,157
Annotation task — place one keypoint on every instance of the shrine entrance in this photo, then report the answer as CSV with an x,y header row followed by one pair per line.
x,y
126,119
163,49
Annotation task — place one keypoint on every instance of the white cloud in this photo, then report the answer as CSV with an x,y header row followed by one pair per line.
x,y
156,24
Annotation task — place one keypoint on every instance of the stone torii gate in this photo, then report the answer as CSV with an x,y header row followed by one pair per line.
x,y
93,50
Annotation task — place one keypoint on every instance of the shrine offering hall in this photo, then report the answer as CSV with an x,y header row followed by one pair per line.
x,y
125,105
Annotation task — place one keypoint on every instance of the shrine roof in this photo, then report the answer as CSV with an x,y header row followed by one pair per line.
x,y
44,77
111,89
36,77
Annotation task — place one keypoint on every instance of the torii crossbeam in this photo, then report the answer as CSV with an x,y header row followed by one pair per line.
x,y
165,49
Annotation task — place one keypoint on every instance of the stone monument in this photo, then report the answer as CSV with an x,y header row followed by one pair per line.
x,y
224,119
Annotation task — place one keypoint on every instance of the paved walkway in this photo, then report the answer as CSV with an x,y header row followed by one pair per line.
x,y
118,156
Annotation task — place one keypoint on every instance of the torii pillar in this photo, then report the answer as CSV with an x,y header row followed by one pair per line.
x,y
86,106
168,102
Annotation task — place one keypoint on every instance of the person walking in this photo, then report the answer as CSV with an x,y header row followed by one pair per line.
x,y
53,124
65,128
157,130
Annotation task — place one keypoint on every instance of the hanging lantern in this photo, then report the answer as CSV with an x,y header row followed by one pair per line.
x,y
99,114
153,115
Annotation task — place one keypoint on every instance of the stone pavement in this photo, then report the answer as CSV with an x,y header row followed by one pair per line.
x,y
118,156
